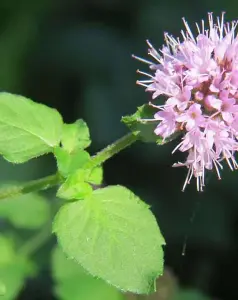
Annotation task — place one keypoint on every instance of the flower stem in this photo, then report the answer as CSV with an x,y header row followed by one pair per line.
x,y
52,180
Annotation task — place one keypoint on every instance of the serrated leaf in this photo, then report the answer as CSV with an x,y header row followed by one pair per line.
x,y
140,125
27,129
68,163
87,288
63,267
114,236
75,136
75,186
72,283
7,253
144,129
29,211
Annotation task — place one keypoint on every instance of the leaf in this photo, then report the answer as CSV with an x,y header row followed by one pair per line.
x,y
13,269
29,211
63,267
7,253
75,136
13,275
95,176
27,129
72,283
2,288
114,236
145,129
87,288
75,186
68,163
139,125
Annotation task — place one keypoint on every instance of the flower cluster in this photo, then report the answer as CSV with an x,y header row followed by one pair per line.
x,y
199,78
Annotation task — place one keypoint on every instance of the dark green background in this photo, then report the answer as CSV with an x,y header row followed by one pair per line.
x,y
76,56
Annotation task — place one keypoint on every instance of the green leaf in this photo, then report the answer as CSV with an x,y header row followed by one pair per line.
x,y
75,186
29,211
114,236
139,125
27,129
2,288
13,275
75,136
145,129
7,253
86,288
72,283
95,176
68,163
13,269
63,267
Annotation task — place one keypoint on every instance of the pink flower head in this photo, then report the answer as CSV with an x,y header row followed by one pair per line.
x,y
199,77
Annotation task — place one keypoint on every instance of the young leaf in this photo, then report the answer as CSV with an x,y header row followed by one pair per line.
x,y
27,129
139,125
72,283
95,176
75,136
145,129
114,236
75,186
72,191
68,163
29,211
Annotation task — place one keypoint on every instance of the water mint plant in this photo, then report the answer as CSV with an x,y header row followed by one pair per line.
x,y
108,231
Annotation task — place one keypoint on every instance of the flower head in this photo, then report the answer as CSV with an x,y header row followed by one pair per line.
x,y
199,78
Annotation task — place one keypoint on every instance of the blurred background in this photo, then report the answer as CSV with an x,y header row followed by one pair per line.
x,y
75,55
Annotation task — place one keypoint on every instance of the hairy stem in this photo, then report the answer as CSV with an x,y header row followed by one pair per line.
x,y
112,149
52,180
31,186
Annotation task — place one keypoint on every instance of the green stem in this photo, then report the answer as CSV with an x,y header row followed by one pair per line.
x,y
31,186
52,180
112,149
33,244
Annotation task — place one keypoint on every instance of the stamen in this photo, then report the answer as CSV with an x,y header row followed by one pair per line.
x,y
144,73
152,48
142,59
140,83
155,57
188,29
188,177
